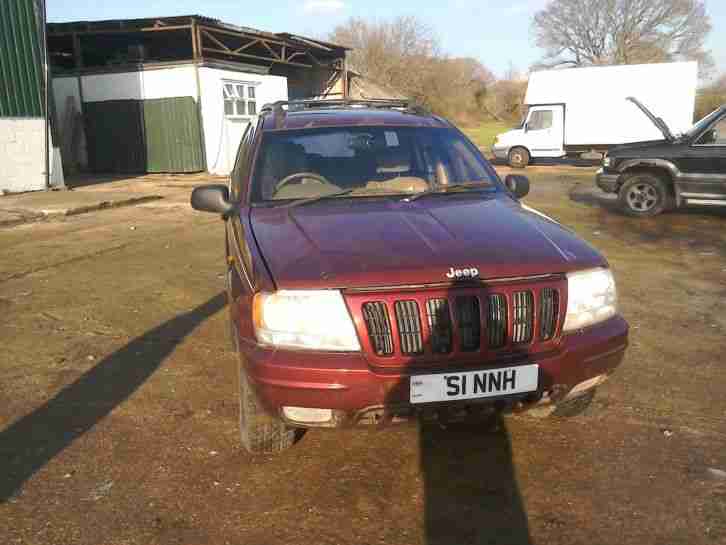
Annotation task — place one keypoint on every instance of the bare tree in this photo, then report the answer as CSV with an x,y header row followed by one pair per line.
x,y
711,97
403,54
592,32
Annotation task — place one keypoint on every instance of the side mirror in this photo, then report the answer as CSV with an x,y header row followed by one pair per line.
x,y
518,185
526,127
212,198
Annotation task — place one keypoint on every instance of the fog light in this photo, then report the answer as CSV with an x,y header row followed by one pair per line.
x,y
304,415
587,385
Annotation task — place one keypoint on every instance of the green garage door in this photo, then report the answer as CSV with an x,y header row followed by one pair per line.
x,y
131,136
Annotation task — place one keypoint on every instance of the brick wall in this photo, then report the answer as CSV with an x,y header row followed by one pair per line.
x,y
22,161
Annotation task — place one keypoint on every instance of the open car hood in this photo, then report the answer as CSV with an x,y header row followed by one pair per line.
x,y
657,121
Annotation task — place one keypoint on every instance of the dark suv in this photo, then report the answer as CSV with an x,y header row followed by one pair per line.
x,y
379,269
688,169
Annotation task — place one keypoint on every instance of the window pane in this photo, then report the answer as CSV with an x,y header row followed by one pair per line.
x,y
252,108
369,160
228,90
240,91
228,107
251,92
240,107
547,119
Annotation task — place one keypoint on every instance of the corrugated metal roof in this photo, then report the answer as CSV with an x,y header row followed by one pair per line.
x,y
130,24
20,60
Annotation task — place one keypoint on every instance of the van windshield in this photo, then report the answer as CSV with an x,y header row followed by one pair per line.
x,y
366,161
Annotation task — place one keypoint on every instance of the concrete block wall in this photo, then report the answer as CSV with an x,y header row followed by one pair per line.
x,y
22,160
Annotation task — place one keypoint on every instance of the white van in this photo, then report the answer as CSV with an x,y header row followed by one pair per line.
x,y
586,111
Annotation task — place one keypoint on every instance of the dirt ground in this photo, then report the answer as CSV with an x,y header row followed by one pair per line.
x,y
118,404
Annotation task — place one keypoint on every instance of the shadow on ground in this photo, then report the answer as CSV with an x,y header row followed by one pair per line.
x,y
472,495
31,442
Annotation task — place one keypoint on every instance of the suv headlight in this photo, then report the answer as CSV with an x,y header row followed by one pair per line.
x,y
315,320
591,298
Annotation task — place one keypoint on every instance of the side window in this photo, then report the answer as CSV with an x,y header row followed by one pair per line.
x,y
715,136
240,99
540,119
241,163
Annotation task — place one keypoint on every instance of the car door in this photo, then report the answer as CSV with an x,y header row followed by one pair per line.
x,y
703,165
544,130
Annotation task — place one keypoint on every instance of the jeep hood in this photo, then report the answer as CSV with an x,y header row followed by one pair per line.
x,y
366,243
657,121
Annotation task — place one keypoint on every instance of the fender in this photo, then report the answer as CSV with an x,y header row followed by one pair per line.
x,y
664,164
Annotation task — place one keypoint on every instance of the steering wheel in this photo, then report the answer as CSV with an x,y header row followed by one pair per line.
x,y
292,177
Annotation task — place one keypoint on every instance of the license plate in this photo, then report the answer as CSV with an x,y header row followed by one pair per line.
x,y
474,384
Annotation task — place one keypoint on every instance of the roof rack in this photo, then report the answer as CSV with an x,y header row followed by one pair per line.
x,y
280,108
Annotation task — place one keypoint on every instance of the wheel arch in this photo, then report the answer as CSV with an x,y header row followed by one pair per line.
x,y
664,169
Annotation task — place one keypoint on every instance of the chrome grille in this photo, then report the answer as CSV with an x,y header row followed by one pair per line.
x,y
497,321
548,312
409,327
522,316
469,321
439,320
379,328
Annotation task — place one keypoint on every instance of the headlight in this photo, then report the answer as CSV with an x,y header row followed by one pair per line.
x,y
316,320
591,298
606,161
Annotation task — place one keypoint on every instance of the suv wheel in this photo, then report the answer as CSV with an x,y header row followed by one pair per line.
x,y
644,195
260,431
575,406
518,157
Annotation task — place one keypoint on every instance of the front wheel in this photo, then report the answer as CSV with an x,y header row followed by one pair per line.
x,y
260,432
644,195
575,406
518,157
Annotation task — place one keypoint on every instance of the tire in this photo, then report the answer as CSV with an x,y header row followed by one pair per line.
x,y
644,195
260,432
575,406
518,157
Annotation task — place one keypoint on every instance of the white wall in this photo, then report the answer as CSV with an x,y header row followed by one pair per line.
x,y
22,159
179,81
222,135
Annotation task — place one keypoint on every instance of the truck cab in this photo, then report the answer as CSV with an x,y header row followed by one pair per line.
x,y
541,135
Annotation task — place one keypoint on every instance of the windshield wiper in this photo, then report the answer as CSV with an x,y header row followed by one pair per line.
x,y
303,202
455,188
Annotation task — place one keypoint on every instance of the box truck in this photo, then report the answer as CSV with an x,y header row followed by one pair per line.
x,y
576,112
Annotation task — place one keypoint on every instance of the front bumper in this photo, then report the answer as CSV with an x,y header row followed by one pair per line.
x,y
608,182
346,383
500,152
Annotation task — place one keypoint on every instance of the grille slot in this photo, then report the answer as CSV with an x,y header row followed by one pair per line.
x,y
439,319
497,321
379,328
409,327
522,316
469,319
548,310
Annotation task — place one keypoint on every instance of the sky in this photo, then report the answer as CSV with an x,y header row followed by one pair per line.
x,y
496,32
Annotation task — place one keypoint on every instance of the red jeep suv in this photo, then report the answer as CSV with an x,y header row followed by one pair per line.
x,y
379,269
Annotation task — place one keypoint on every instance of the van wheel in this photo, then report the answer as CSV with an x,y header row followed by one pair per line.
x,y
518,157
260,432
575,406
644,195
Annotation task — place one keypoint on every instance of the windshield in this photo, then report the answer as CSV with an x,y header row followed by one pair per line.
x,y
365,162
700,125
